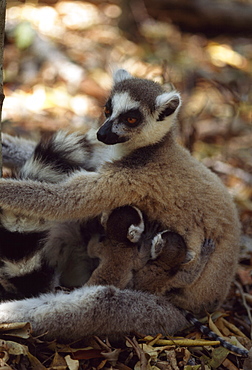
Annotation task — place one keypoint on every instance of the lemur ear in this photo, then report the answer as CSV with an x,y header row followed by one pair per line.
x,y
121,75
167,103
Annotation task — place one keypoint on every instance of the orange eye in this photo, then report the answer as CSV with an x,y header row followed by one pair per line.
x,y
107,111
131,120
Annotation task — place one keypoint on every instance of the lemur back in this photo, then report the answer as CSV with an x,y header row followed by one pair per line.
x,y
152,172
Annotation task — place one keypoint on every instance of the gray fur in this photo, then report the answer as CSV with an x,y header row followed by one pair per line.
x,y
95,310
16,151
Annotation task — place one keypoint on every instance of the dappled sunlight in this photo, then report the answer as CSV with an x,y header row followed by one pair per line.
x,y
223,54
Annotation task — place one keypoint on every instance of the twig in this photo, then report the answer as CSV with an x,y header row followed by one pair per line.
x,y
238,285
143,356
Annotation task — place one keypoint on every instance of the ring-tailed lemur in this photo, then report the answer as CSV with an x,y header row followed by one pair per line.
x,y
136,254
151,171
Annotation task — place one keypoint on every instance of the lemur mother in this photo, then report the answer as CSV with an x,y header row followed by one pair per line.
x,y
150,170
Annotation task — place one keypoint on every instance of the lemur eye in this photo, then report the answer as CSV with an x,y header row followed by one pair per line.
x,y
107,111
131,120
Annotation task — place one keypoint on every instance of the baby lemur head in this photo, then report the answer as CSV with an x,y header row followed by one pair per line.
x,y
123,224
128,224
138,112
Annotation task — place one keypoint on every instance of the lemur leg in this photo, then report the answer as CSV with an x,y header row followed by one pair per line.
x,y
95,310
117,263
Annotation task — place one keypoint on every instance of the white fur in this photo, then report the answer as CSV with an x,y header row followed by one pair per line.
x,y
157,245
121,75
22,267
35,169
102,152
122,102
66,142
135,231
164,98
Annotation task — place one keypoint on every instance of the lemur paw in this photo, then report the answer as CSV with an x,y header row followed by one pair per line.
x,y
157,245
134,233
207,247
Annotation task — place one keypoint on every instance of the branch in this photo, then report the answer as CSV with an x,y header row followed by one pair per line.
x,y
2,26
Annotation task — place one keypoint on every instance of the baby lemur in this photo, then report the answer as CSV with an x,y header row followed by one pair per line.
x,y
136,254
147,169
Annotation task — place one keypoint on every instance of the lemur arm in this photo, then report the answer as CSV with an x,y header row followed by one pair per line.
x,y
16,151
97,310
83,195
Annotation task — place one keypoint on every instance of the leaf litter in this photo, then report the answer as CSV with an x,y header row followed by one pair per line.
x,y
188,351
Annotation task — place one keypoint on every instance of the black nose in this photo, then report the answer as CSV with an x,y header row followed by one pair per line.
x,y
101,137
106,136
109,138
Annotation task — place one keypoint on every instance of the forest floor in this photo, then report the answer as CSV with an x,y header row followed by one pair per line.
x,y
57,65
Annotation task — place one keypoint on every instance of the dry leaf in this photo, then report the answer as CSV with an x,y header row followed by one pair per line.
x,y
247,365
83,354
35,363
13,348
229,365
234,329
171,357
213,327
112,356
72,364
18,329
218,356
58,363
139,366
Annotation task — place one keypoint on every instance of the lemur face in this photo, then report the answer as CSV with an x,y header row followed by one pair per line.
x,y
137,108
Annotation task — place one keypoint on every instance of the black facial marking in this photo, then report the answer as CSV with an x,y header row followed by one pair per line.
x,y
171,107
134,114
108,108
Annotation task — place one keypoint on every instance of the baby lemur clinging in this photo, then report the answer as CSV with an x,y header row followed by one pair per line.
x,y
135,253
148,169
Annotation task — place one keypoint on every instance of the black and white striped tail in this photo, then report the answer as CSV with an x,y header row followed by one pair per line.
x,y
205,330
